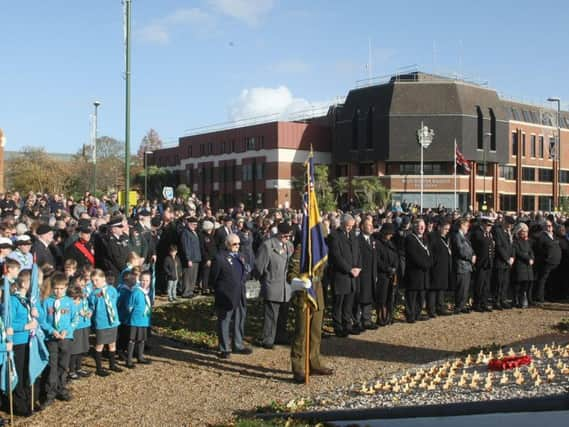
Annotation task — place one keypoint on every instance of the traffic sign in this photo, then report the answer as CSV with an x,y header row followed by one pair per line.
x,y
168,193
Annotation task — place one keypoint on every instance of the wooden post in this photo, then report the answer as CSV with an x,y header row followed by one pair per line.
x,y
307,344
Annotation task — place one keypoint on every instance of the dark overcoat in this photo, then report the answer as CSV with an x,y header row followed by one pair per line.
x,y
344,254
418,264
227,278
522,252
442,276
367,279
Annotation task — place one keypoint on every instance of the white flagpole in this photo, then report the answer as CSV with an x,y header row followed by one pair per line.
x,y
455,202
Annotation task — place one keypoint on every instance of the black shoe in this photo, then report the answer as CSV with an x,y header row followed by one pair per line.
x,y
478,309
73,376
83,373
46,403
432,315
115,369
224,355
102,373
487,309
244,350
284,341
130,365
506,305
444,312
422,318
466,310
268,346
145,361
410,320
342,334
354,331
298,377
64,396
370,326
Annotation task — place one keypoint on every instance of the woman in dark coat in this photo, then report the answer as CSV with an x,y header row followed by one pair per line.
x,y
417,270
441,272
209,251
523,265
387,265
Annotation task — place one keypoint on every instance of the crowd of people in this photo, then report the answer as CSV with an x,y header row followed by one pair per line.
x,y
100,270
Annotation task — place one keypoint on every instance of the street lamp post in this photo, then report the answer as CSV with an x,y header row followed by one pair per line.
x,y
96,104
484,204
556,156
424,138
146,175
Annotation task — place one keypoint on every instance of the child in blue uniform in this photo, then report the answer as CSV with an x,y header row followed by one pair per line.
x,y
80,346
140,310
125,289
58,320
103,303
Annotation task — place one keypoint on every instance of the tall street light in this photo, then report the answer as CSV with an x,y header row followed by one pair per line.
x,y
96,104
146,175
484,204
557,155
424,138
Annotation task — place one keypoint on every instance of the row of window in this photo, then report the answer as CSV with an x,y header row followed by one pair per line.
x,y
529,174
249,143
227,173
508,203
542,117
536,146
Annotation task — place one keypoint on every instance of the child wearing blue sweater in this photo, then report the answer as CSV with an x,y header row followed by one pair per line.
x,y
140,310
103,304
79,293
58,320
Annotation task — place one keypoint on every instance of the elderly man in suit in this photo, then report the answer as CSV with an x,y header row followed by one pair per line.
x,y
227,277
367,279
344,259
41,247
271,266
485,249
463,259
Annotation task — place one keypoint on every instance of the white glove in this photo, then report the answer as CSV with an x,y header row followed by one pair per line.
x,y
300,284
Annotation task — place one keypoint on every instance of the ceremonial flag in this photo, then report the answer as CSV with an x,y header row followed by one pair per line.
x,y
39,355
460,161
314,251
8,370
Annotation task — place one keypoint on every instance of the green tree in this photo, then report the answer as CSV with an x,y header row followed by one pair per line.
x,y
323,189
340,186
183,191
158,178
370,192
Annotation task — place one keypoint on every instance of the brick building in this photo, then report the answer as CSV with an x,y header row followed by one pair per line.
x,y
373,133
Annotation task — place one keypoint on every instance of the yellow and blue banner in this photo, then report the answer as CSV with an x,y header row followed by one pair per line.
x,y
314,251
8,375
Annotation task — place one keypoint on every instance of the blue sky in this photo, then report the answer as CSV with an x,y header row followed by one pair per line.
x,y
196,63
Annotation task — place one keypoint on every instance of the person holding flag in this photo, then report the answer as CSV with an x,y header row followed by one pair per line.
x,y
9,377
306,266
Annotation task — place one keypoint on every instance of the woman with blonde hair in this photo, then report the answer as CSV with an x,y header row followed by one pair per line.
x,y
522,270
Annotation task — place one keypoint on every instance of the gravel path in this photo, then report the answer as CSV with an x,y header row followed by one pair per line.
x,y
192,387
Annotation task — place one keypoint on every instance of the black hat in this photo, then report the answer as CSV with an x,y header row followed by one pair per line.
x,y
156,221
84,229
115,221
227,218
405,220
191,219
43,229
284,228
144,212
387,228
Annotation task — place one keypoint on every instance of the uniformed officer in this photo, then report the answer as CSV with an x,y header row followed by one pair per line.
x,y
117,246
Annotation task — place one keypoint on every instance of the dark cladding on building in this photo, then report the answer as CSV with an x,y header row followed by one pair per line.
x,y
374,133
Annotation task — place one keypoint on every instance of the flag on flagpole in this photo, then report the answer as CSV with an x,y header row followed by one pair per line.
x,y
39,355
314,251
9,377
460,161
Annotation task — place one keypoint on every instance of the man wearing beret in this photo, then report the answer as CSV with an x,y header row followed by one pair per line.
x,y
41,247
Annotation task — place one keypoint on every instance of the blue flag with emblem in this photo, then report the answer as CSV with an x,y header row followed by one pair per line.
x,y
39,355
314,251
8,370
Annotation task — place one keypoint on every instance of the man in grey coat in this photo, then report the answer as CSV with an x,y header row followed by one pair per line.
x,y
464,258
271,265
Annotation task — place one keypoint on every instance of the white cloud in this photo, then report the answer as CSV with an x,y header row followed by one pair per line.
x,y
159,30
262,101
249,11
291,66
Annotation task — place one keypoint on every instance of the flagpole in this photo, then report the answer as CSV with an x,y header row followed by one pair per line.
x,y
455,202
307,305
10,394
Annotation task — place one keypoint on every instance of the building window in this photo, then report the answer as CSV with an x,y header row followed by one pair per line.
x,y
545,175
250,143
209,148
428,168
545,203
232,146
247,172
528,203
261,144
492,130
189,151
355,128
564,177
369,136
484,169
528,174
366,169
341,170
514,143
523,144
526,115
260,170
392,169
202,149
508,202
541,147
480,128
552,150
508,172
532,145
515,114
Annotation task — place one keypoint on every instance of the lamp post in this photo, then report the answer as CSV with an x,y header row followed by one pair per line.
x,y
146,175
557,155
96,104
484,204
424,138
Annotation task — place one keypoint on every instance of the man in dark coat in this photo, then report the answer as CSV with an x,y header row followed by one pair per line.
x,y
168,233
209,251
387,265
503,262
548,257
345,267
82,249
484,249
190,255
41,247
227,277
442,274
222,232
417,270
463,259
117,247
367,280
